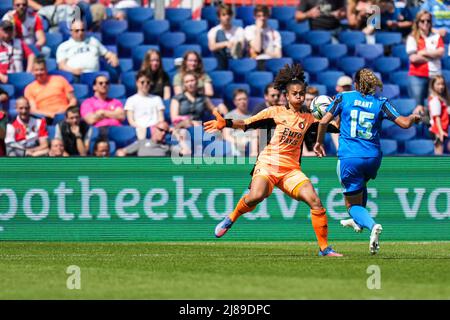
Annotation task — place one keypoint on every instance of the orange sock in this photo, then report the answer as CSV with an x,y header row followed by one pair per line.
x,y
240,209
320,225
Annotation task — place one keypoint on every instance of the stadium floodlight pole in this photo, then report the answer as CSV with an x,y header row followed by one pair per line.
x,y
159,10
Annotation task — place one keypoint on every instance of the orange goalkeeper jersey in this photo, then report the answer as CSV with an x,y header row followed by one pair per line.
x,y
284,148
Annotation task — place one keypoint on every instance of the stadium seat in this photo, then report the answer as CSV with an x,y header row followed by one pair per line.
x,y
253,102
274,65
9,88
237,23
273,24
287,38
128,79
283,15
209,64
388,147
51,130
351,64
219,81
64,30
170,41
168,64
369,52
399,51
89,77
138,16
314,65
388,38
117,91
125,64
258,80
352,38
404,106
203,42
241,67
297,52
122,136
400,78
245,13
81,90
209,13
138,54
230,88
387,65
5,6
401,134
193,28
177,16
299,28
333,52
390,91
320,87
153,29
127,41
67,75
318,38
51,64
180,50
110,30
419,147
53,40
329,79
20,80
58,118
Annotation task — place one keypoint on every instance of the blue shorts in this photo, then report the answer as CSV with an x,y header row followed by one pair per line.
x,y
353,173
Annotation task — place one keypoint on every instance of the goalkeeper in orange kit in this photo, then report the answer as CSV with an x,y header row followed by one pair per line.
x,y
278,164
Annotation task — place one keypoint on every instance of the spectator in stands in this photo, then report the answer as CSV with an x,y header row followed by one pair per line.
x,y
440,12
425,50
271,98
344,84
4,98
322,14
28,25
395,19
3,124
188,107
101,111
74,132
82,54
13,51
101,148
160,82
358,13
57,148
438,102
119,7
239,139
26,135
143,109
192,62
38,4
59,11
48,94
225,40
263,41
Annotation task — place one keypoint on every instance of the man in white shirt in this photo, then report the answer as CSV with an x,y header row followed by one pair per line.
x,y
144,110
82,54
225,40
263,41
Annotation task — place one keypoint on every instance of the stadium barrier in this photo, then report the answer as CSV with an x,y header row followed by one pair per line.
x,y
153,199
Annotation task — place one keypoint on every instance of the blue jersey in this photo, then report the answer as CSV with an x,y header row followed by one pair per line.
x,y
361,118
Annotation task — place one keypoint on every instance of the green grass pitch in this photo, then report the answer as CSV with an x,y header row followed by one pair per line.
x,y
223,270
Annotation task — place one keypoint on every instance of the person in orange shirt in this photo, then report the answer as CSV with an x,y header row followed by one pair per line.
x,y
278,164
49,94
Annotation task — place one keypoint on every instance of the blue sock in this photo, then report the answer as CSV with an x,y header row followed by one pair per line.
x,y
364,200
362,217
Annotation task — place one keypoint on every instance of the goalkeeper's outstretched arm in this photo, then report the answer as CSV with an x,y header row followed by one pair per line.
x,y
220,123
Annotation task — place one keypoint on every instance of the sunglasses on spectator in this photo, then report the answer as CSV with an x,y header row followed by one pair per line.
x,y
275,95
162,130
423,21
101,83
21,5
78,30
144,82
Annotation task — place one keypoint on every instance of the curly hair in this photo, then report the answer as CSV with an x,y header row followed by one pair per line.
x,y
290,74
367,81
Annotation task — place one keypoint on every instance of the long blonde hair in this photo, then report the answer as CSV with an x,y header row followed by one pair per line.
x,y
415,33
367,82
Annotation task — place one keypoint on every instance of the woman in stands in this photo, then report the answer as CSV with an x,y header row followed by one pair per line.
x,y
192,61
152,64
438,102
278,164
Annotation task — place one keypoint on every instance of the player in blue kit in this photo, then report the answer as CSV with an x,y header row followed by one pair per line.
x,y
359,152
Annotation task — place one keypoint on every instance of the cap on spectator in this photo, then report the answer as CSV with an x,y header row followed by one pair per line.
x,y
344,81
178,61
6,24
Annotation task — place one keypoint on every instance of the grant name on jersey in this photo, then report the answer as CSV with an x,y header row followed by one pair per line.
x,y
363,104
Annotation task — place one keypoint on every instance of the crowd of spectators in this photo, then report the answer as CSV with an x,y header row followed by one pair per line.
x,y
187,97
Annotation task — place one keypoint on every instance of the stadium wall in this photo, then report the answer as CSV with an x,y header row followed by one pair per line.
x,y
155,199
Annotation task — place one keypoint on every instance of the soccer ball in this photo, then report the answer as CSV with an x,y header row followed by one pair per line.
x,y
318,106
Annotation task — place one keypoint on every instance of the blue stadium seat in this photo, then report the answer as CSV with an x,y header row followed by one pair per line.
x,y
20,80
128,80
9,88
299,28
314,65
64,30
241,67
388,38
446,62
245,13
122,136
53,40
51,64
404,106
253,102
388,147
273,24
350,64
329,79
258,80
399,51
219,80
138,54
125,64
230,88
386,127
283,15
181,49
352,38
51,130
203,42
110,30
127,41
138,16
112,48
168,64
387,65
67,75
446,75
193,28
318,38
81,90
153,29
209,13
419,147
401,134
58,118
117,91
5,6
297,52
209,64
320,87
333,52
287,38
390,91
274,65
89,77
369,52
170,41
400,78
177,16
237,23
